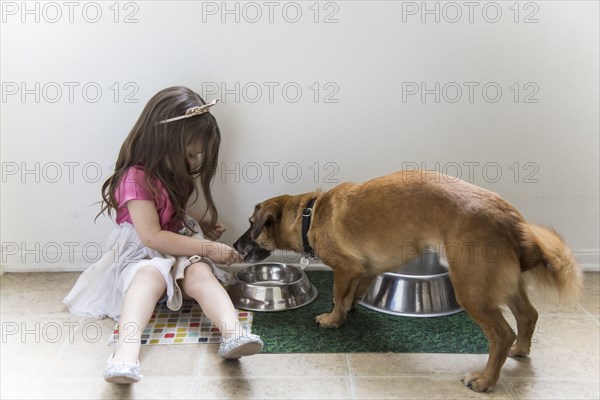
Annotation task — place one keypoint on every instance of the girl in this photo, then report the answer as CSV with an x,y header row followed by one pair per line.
x,y
174,141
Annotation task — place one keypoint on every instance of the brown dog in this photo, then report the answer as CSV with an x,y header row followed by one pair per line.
x,y
362,230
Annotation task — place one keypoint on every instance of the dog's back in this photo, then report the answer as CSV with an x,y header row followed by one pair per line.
x,y
389,220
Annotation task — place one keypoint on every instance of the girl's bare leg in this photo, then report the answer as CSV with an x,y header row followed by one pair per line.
x,y
200,284
140,299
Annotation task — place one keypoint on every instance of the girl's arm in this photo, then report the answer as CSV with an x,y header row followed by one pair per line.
x,y
146,223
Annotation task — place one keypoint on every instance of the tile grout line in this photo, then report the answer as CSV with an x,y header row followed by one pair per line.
x,y
238,377
509,389
589,314
195,387
350,376
582,308
549,379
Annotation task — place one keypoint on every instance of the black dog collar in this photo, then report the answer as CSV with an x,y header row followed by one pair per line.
x,y
306,217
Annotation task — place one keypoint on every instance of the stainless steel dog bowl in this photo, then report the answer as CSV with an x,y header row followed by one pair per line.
x,y
270,287
421,288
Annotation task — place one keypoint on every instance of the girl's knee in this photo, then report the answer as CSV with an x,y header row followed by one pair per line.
x,y
197,274
198,270
151,275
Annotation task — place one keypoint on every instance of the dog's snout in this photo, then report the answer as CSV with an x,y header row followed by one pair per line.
x,y
236,245
251,251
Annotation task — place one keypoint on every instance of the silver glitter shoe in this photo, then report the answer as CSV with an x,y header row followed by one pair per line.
x,y
245,345
117,372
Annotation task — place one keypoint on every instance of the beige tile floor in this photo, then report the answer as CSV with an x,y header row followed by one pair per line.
x,y
47,353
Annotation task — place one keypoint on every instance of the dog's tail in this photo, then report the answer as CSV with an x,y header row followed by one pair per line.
x,y
546,259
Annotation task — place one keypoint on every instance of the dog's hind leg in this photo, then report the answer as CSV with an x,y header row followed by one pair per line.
x,y
500,337
477,301
526,317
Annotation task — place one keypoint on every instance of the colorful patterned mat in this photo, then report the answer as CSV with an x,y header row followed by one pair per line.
x,y
188,325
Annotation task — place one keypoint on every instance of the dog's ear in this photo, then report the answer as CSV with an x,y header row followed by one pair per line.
x,y
267,214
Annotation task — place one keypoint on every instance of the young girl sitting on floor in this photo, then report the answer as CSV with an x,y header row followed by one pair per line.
x,y
174,142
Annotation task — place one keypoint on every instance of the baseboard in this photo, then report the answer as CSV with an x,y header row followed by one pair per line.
x,y
29,268
589,261
78,262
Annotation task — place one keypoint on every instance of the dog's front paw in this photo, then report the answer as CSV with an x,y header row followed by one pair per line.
x,y
327,321
478,382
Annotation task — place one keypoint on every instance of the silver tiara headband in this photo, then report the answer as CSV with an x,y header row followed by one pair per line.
x,y
192,112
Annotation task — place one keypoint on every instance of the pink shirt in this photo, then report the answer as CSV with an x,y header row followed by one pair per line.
x,y
133,186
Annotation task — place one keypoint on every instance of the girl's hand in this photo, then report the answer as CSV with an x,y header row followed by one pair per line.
x,y
223,254
216,233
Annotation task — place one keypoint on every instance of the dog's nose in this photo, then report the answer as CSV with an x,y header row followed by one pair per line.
x,y
237,246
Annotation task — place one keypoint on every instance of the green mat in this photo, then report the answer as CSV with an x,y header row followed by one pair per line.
x,y
364,330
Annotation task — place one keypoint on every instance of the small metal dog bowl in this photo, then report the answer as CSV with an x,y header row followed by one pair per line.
x,y
421,288
270,287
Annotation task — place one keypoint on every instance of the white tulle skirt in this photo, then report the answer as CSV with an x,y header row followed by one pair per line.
x,y
101,288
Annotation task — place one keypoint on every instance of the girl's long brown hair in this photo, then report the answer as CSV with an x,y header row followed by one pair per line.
x,y
161,150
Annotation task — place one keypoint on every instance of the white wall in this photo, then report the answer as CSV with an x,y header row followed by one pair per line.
x,y
356,117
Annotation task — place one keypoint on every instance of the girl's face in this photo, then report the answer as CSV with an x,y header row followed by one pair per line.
x,y
194,154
